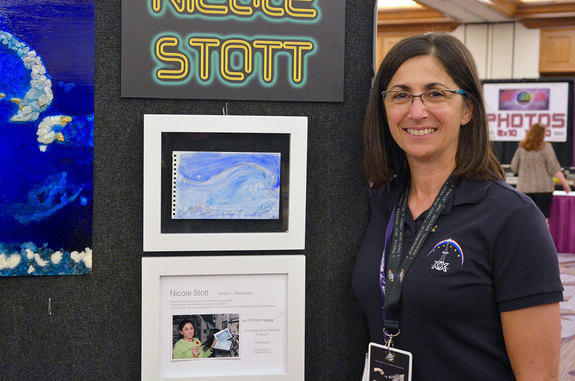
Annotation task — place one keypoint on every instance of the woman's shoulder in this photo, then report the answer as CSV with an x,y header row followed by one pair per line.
x,y
547,147
502,189
496,193
499,203
509,201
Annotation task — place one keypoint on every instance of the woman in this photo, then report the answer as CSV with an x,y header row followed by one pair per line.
x,y
189,346
536,164
480,300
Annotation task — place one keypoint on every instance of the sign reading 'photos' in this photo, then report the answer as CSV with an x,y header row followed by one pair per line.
x,y
285,50
513,107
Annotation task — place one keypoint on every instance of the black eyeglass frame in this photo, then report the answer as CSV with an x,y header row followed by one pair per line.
x,y
413,96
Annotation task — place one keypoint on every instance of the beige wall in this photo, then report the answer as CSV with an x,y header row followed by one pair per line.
x,y
503,50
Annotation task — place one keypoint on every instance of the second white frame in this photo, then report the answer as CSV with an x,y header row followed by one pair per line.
x,y
232,270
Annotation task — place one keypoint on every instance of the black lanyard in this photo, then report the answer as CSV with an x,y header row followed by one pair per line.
x,y
397,268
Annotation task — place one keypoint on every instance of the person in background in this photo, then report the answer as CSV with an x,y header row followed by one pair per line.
x,y
455,262
189,346
535,164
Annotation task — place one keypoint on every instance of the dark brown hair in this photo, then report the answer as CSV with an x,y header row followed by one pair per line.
x,y
534,139
384,159
184,322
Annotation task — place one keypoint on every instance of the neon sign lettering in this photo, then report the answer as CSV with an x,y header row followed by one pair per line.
x,y
236,56
302,10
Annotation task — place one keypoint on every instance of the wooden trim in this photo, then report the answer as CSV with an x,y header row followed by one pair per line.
x,y
413,28
538,23
527,11
538,16
532,16
414,21
401,15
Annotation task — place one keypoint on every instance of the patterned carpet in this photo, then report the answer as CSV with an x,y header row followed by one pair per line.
x,y
567,367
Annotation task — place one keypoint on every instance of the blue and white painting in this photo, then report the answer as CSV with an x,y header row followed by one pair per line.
x,y
46,136
226,185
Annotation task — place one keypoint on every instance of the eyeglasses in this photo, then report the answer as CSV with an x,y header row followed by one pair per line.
x,y
435,97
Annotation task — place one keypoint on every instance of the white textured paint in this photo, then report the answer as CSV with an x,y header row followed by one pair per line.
x,y
500,62
526,62
502,50
476,40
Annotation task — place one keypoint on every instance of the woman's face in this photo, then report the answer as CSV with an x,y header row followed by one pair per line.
x,y
188,331
427,132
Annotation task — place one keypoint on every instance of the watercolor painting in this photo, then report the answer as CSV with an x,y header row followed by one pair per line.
x,y
226,185
46,137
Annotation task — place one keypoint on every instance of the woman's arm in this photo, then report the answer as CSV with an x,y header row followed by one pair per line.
x,y
533,340
564,182
515,162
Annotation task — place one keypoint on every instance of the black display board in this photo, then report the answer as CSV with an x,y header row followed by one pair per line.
x,y
94,330
281,50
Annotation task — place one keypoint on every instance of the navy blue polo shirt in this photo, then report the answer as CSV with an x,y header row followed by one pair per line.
x,y
490,252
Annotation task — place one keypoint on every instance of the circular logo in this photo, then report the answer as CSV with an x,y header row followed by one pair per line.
x,y
524,97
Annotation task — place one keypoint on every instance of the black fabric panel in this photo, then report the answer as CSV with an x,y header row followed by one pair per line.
x,y
94,331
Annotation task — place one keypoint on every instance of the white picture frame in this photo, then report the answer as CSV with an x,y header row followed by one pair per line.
x,y
293,238
162,275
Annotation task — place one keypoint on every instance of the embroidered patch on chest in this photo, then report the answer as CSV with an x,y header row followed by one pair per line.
x,y
445,253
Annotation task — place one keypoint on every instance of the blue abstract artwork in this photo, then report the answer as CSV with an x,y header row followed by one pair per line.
x,y
226,185
46,136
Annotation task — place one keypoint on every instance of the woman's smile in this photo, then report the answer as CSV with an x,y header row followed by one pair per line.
x,y
420,131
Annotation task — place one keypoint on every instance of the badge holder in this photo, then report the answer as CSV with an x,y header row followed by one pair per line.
x,y
388,363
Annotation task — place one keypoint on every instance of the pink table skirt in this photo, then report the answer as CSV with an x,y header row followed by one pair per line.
x,y
562,221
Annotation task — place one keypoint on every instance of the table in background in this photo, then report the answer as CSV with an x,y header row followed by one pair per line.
x,y
562,221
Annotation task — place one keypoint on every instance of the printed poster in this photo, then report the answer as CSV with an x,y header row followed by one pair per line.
x,y
513,107
247,313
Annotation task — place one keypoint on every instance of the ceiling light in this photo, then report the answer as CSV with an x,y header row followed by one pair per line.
x,y
396,4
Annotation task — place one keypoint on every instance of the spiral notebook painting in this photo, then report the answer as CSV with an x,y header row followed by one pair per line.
x,y
225,185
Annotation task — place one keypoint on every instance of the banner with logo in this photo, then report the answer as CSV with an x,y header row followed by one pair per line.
x,y
282,50
513,107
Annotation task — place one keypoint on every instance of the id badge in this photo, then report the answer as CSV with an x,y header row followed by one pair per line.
x,y
388,363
